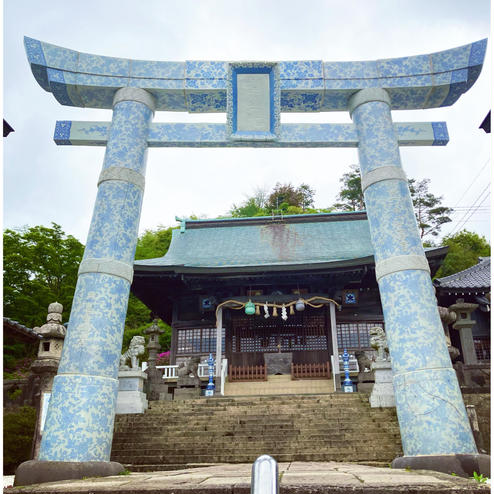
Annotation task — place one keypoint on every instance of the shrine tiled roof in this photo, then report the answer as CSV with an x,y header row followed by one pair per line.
x,y
20,331
477,277
292,242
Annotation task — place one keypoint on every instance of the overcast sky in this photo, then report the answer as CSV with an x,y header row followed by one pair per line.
x,y
46,183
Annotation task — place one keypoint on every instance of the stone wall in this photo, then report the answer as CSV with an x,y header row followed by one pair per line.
x,y
482,403
20,392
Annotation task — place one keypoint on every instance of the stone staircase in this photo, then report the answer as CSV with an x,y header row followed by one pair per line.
x,y
330,427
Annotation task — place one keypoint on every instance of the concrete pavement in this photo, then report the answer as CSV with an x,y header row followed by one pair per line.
x,y
296,478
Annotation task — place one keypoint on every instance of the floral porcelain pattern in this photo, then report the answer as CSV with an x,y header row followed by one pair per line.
x,y
422,81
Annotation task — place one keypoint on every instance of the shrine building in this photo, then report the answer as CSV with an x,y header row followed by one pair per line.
x,y
308,263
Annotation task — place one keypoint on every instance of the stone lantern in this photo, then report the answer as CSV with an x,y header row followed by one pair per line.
x,y
448,317
46,364
153,345
155,382
464,324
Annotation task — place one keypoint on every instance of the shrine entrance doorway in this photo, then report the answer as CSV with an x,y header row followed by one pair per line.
x,y
300,346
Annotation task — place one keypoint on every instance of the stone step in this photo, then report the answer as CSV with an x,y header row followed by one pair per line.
x,y
230,436
322,430
334,398
311,436
266,419
351,456
260,411
234,455
322,426
289,408
235,447
246,441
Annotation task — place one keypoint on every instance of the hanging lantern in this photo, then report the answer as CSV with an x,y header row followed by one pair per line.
x,y
292,310
275,311
300,306
250,308
258,310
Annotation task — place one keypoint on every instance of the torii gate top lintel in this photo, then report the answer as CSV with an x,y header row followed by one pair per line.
x,y
415,82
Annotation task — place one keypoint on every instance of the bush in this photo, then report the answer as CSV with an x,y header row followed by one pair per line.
x,y
17,368
18,431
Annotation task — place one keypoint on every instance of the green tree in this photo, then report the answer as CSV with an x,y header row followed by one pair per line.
x,y
248,209
428,210
285,195
350,195
40,266
284,198
18,431
151,244
430,215
154,243
464,250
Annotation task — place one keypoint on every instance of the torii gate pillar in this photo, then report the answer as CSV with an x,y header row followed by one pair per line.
x,y
78,433
431,413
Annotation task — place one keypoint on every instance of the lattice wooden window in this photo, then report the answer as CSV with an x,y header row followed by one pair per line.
x,y
300,332
355,334
198,340
482,348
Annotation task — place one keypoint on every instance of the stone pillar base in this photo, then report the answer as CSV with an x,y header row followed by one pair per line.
x,y
382,393
131,397
37,472
462,465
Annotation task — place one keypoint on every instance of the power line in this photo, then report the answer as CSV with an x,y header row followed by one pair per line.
x,y
461,221
471,214
473,181
463,208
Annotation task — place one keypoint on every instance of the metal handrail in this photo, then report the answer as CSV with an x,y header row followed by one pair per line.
x,y
264,479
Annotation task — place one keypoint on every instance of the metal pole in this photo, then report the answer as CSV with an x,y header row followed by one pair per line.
x,y
264,478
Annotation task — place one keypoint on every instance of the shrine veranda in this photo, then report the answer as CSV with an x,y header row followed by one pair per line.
x,y
80,418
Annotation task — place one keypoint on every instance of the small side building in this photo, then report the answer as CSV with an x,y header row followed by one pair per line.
x,y
472,288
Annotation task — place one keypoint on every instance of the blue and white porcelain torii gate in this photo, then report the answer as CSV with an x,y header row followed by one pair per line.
x,y
432,417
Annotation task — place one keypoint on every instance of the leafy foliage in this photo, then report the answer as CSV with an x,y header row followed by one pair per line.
x,y
480,478
248,209
285,195
351,196
18,431
154,243
151,244
464,250
18,367
429,213
283,199
40,267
